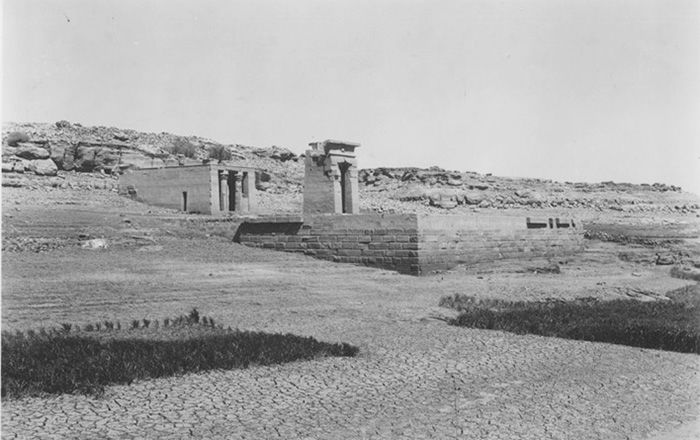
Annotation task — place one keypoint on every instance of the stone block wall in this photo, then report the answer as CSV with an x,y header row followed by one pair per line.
x,y
447,241
330,178
319,188
389,242
411,244
165,187
193,188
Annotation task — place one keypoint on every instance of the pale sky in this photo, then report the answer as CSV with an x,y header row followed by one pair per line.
x,y
570,90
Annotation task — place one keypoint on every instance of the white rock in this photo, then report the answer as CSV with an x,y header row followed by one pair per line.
x,y
43,167
95,243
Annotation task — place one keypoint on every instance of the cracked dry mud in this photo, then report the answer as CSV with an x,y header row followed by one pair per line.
x,y
434,382
416,377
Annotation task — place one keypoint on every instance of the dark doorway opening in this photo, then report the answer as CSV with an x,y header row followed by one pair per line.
x,y
344,190
231,191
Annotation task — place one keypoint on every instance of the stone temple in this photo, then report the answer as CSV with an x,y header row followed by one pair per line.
x,y
331,226
205,189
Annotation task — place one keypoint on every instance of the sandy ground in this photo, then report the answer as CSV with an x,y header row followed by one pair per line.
x,y
416,376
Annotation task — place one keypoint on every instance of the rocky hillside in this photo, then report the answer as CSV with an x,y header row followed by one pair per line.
x,y
45,149
455,190
65,148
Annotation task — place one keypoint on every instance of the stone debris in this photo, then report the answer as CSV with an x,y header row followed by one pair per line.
x,y
95,243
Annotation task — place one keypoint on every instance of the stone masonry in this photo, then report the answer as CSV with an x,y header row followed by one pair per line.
x,y
331,227
330,180
410,243
389,241
207,189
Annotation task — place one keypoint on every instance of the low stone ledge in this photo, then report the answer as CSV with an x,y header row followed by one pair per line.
x,y
408,243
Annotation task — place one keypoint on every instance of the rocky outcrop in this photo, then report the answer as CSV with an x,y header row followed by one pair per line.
x,y
447,190
43,167
106,150
31,150
62,154
276,153
14,164
135,159
73,147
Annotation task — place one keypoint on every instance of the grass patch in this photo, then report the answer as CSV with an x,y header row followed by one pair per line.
x,y
68,361
672,325
686,271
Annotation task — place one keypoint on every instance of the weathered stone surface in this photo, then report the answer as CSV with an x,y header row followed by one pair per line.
x,y
443,202
43,167
62,153
120,136
7,167
95,158
281,154
133,159
331,178
30,150
15,164
8,151
473,197
409,244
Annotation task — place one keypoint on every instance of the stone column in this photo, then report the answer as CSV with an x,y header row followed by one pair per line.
x,y
354,197
252,202
223,191
238,196
335,176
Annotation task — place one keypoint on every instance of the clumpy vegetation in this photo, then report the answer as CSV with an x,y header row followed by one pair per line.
x,y
219,153
16,137
686,271
184,147
68,360
672,325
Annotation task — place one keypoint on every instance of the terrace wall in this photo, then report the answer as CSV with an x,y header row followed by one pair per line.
x,y
447,241
411,244
388,241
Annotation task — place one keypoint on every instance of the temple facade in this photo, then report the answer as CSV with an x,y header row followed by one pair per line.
x,y
330,178
207,189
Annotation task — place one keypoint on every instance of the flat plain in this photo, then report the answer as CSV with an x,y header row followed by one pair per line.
x,y
415,377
